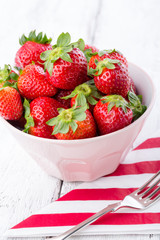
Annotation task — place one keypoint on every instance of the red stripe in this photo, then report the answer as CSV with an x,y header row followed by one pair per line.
x,y
97,194
137,168
70,219
149,143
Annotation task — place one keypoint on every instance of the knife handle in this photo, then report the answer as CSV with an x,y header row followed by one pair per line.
x,y
110,208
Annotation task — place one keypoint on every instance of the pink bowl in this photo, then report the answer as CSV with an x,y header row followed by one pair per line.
x,y
88,159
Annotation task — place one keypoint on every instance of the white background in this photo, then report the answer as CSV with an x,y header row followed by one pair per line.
x,y
129,26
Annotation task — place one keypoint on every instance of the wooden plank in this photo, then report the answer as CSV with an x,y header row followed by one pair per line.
x,y
105,237
125,25
24,186
116,237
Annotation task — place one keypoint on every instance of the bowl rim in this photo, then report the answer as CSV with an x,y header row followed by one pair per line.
x,y
86,140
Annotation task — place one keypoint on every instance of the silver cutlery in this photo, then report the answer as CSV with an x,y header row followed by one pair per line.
x,y
141,198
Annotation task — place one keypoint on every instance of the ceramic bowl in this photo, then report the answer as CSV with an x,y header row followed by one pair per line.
x,y
88,159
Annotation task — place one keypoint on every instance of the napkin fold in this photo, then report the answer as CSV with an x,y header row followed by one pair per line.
x,y
77,205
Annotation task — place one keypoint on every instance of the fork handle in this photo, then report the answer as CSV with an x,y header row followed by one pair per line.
x,y
110,208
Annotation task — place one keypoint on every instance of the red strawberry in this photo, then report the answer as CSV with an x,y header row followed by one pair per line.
x,y
37,113
33,83
60,98
44,108
93,48
66,64
42,131
112,54
32,47
111,77
73,123
111,114
10,104
115,54
95,58
10,101
90,51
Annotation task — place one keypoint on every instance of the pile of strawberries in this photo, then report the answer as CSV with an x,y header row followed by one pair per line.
x,y
67,90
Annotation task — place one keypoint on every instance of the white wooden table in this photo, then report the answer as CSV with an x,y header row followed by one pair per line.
x,y
129,26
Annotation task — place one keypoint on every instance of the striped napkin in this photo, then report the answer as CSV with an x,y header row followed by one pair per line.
x,y
140,164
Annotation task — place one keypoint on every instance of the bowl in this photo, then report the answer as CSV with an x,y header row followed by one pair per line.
x,y
88,159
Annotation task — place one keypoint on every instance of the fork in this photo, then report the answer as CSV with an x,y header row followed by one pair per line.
x,y
141,198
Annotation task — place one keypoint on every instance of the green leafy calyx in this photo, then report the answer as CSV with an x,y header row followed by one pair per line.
x,y
60,50
106,63
117,101
27,116
85,93
40,38
79,44
67,119
6,74
135,103
109,51
88,53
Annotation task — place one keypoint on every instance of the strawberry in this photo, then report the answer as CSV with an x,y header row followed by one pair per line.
x,y
86,93
66,64
33,83
73,123
115,54
60,97
11,107
93,48
32,47
10,101
94,58
111,77
42,131
37,113
112,54
113,112
90,51
8,77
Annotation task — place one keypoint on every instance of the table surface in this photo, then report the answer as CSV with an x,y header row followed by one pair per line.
x,y
129,26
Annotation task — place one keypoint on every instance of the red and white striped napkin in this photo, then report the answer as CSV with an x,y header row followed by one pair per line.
x,y
140,164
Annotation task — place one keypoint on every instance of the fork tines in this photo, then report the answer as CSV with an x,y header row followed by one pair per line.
x,y
152,191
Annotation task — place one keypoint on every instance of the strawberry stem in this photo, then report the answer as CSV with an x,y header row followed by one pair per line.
x,y
67,119
27,116
115,100
60,50
4,73
35,38
106,63
135,103
86,92
88,54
